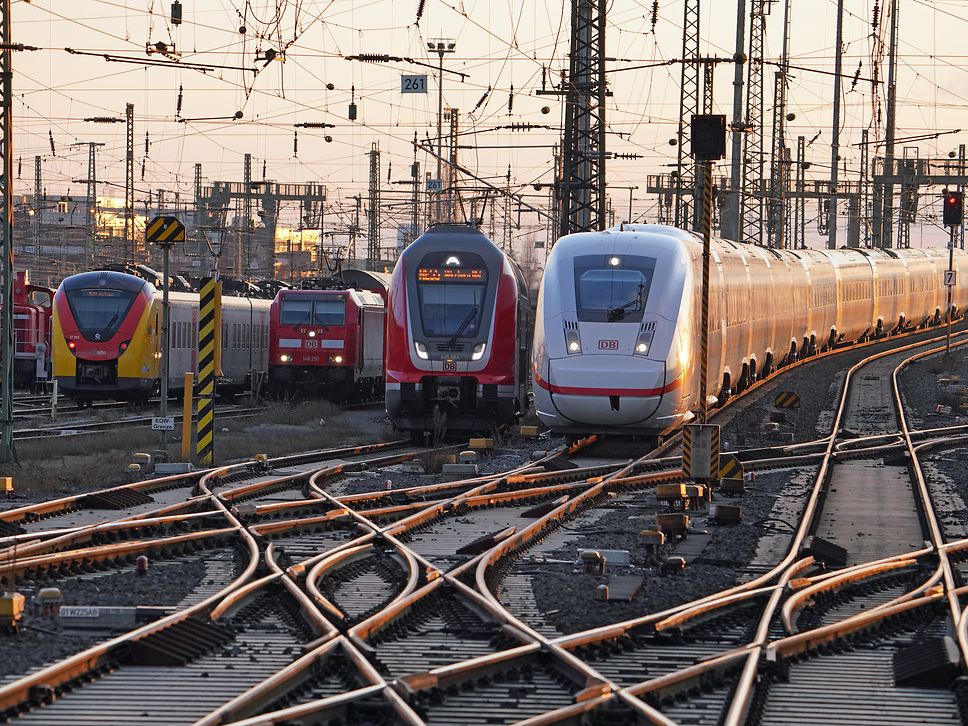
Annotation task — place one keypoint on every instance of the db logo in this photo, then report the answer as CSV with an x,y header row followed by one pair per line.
x,y
608,345
450,366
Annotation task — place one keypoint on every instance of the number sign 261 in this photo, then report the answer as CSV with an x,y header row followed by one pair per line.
x,y
413,84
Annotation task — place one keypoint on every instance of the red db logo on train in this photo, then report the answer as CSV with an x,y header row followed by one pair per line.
x,y
450,366
608,345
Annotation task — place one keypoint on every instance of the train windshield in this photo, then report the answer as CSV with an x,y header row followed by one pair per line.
x,y
100,311
612,288
451,291
302,311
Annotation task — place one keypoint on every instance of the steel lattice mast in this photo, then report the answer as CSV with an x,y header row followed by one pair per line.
x,y
6,321
581,190
686,184
753,160
130,246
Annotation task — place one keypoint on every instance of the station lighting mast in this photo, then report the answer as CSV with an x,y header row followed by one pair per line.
x,y
440,46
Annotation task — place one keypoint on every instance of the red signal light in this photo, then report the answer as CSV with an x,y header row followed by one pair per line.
x,y
952,200
124,346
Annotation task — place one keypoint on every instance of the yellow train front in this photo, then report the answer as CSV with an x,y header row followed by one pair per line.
x,y
106,336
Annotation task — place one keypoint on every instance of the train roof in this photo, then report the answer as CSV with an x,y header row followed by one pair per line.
x,y
106,278
366,280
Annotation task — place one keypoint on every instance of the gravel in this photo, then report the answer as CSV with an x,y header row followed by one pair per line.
x,y
817,384
572,606
517,452
165,585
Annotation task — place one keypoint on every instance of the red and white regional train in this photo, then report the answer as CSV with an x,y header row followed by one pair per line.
x,y
458,334
616,344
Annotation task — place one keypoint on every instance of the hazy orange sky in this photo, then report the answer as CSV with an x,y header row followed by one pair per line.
x,y
499,45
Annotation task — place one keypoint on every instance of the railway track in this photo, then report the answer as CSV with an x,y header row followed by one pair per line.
x,y
417,603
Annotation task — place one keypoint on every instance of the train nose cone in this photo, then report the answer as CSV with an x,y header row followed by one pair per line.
x,y
619,391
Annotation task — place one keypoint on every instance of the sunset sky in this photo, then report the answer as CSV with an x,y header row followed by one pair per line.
x,y
498,45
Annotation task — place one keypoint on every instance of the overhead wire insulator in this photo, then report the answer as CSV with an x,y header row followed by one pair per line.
x,y
856,78
53,151
511,100
147,144
142,169
420,9
482,100
373,57
295,144
263,168
655,14
314,125
178,107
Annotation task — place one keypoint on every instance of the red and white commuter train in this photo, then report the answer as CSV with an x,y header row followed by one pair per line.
x,y
458,334
616,341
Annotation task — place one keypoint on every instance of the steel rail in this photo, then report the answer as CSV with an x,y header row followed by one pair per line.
x,y
739,704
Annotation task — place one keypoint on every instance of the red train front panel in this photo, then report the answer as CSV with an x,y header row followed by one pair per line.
x,y
326,340
454,334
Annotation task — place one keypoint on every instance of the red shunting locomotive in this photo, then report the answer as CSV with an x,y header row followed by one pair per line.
x,y
458,334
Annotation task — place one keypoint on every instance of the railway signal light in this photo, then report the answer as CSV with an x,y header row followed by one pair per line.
x,y
954,209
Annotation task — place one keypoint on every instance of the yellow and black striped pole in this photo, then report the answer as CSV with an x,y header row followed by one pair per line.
x,y
209,334
707,230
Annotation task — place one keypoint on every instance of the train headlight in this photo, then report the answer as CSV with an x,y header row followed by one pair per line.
x,y
284,358
478,351
421,349
71,344
338,359
643,342
572,342
312,333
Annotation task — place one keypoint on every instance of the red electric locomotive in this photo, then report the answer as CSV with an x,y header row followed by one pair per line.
x,y
458,334
326,341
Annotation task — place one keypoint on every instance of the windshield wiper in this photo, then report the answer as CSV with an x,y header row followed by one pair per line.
x,y
112,321
462,327
618,313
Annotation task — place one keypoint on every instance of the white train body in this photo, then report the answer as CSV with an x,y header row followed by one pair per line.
x,y
616,340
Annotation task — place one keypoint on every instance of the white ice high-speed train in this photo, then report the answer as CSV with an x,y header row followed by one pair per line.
x,y
616,339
